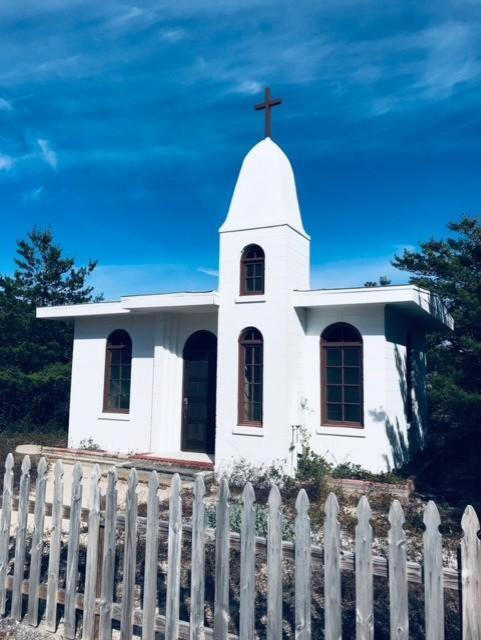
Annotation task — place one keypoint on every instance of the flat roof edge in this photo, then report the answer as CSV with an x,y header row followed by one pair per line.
x,y
127,304
423,299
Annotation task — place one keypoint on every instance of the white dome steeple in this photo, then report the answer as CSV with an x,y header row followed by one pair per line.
x,y
265,193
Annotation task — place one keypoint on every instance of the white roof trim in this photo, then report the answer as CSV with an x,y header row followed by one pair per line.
x,y
128,304
171,300
80,310
402,295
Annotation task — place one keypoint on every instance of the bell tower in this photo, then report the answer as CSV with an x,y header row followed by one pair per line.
x,y
264,214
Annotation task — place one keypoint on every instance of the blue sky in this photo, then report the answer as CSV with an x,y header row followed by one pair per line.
x,y
123,126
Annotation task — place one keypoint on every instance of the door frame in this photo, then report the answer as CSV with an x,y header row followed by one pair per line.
x,y
211,393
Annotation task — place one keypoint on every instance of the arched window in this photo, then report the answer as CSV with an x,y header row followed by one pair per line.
x,y
252,271
118,360
251,366
341,376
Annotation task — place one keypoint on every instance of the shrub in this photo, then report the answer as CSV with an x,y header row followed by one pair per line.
x,y
312,467
262,516
260,476
356,472
88,444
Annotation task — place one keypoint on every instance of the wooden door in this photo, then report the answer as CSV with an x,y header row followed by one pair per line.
x,y
199,390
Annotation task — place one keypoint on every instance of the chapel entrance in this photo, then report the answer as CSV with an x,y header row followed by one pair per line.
x,y
199,390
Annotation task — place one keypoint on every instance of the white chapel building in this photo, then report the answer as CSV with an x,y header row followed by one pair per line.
x,y
265,363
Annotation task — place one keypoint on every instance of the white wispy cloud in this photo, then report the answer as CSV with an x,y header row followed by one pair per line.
x,y
249,87
6,162
49,155
5,105
208,271
124,17
172,35
452,58
33,195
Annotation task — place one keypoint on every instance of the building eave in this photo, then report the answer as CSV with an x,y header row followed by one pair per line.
x,y
204,300
179,302
410,298
68,312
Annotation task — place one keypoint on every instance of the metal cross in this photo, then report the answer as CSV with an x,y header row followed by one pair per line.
x,y
267,105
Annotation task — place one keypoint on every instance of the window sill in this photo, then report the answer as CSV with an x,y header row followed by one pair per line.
x,y
248,431
122,417
250,299
350,432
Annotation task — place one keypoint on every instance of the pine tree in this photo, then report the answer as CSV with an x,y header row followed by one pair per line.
x,y
35,355
452,269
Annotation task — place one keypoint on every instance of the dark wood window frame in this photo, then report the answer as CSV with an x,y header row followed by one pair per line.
x,y
252,271
119,343
344,346
251,375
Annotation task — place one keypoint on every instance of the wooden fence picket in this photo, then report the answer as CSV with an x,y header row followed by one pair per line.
x,y
197,579
274,566
5,523
364,580
73,552
398,584
471,575
88,627
54,550
174,561
151,559
108,560
247,565
222,568
433,574
303,567
21,540
332,570
98,595
130,556
37,542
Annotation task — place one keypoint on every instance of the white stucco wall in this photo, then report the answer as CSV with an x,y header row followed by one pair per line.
x,y
385,440
114,432
154,420
286,268
405,439
368,445
172,331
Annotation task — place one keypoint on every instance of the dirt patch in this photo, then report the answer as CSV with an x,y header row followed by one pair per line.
x,y
11,630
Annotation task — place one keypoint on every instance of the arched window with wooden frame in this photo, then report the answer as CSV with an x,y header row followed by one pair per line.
x,y
251,377
118,367
252,274
341,376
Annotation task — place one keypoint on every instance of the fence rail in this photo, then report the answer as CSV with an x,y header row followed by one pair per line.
x,y
97,531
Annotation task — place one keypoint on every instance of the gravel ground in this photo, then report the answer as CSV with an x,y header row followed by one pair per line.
x,y
11,630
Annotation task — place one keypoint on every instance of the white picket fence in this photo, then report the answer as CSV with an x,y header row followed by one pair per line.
x,y
99,609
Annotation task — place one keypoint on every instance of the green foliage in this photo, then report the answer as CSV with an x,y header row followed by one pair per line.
x,y
356,472
261,524
312,471
383,281
88,444
260,476
35,355
312,467
452,269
